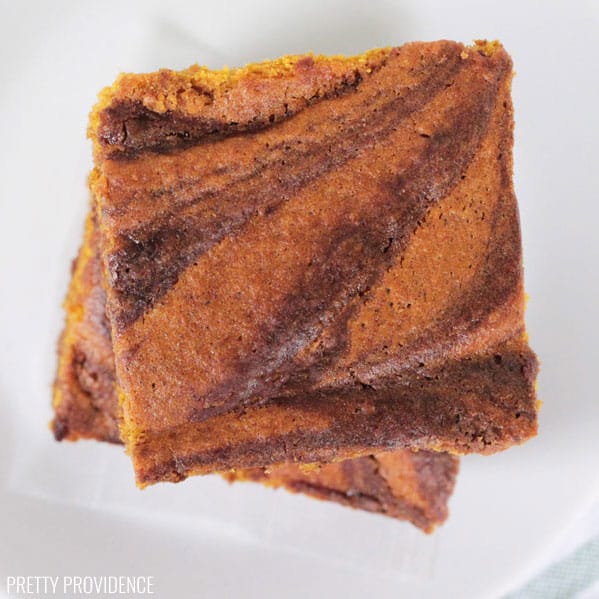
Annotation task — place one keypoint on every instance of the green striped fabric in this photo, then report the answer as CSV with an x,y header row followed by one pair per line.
x,y
566,579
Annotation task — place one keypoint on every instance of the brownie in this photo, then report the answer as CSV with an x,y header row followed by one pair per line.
x,y
85,400
403,484
314,259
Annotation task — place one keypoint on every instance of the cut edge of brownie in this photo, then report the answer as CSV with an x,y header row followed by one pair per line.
x,y
83,393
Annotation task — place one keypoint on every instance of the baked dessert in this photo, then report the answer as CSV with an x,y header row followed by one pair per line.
x,y
84,397
404,484
314,259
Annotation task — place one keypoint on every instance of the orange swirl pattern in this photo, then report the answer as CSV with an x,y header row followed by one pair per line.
x,y
342,278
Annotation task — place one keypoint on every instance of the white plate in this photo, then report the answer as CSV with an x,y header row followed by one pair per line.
x,y
72,508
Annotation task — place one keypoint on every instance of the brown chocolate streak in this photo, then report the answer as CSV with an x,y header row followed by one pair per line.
x,y
465,316
400,406
353,257
151,258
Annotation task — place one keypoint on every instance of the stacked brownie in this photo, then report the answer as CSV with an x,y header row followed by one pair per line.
x,y
305,272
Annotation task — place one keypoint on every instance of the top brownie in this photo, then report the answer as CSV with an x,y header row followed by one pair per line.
x,y
313,259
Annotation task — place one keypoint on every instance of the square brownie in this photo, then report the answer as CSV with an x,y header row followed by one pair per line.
x,y
314,259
